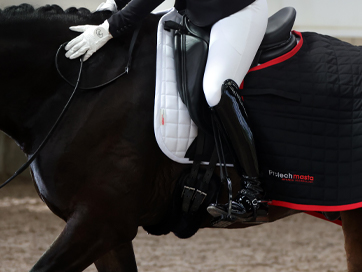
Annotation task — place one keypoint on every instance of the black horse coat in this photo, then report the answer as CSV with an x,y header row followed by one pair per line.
x,y
305,110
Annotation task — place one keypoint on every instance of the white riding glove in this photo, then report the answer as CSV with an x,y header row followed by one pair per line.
x,y
108,5
93,38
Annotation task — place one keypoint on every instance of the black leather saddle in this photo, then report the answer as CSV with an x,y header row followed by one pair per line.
x,y
191,49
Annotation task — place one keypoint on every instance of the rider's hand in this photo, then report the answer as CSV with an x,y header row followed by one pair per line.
x,y
108,5
92,38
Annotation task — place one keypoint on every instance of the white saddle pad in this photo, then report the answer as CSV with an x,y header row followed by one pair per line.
x,y
174,129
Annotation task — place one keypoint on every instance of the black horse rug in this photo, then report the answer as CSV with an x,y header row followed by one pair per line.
x,y
305,111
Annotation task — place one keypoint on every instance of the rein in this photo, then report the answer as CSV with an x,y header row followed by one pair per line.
x,y
47,137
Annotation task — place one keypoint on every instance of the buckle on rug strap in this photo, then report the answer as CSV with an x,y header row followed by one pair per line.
x,y
198,198
187,195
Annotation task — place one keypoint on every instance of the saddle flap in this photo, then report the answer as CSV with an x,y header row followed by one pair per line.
x,y
191,49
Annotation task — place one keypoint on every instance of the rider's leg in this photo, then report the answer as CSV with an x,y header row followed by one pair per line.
x,y
233,44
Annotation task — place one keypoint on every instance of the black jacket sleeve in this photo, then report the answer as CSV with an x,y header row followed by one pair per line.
x,y
130,15
121,3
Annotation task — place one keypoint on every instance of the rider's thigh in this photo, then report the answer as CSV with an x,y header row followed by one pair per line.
x,y
234,42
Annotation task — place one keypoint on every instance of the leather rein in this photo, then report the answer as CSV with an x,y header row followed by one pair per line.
x,y
47,137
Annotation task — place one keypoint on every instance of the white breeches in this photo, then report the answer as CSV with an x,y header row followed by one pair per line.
x,y
234,42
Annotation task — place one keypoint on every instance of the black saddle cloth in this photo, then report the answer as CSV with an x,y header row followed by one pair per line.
x,y
310,148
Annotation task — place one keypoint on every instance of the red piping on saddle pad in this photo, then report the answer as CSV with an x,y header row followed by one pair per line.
x,y
319,208
283,57
321,216
279,59
314,209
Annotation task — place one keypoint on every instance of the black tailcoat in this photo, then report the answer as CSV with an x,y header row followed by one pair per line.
x,y
200,12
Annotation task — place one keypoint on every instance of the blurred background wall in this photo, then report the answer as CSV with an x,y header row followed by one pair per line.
x,y
333,17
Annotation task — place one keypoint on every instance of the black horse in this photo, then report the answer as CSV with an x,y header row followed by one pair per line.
x,y
102,170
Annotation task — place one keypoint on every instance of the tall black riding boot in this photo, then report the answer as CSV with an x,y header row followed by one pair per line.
x,y
232,121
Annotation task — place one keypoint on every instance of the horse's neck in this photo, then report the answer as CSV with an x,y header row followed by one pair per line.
x,y
33,94
30,99
29,113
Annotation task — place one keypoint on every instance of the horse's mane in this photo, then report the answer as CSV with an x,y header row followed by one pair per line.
x,y
51,12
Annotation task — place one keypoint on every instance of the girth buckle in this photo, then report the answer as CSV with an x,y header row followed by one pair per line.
x,y
198,199
187,195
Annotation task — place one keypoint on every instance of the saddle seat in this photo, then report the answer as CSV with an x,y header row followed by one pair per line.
x,y
278,38
279,27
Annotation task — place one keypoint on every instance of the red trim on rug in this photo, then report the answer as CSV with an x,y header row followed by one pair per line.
x,y
280,59
283,57
321,216
317,208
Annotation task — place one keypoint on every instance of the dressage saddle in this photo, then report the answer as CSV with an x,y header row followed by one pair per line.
x,y
191,48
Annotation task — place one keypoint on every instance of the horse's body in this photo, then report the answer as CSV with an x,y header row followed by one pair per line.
x,y
102,171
